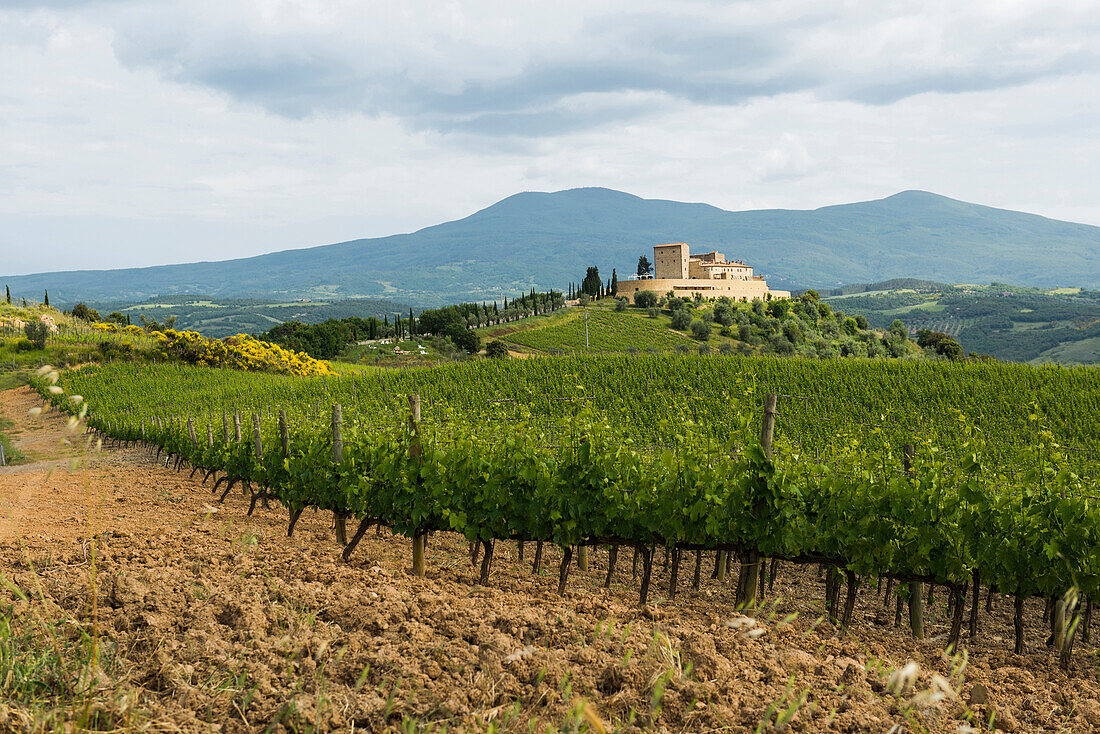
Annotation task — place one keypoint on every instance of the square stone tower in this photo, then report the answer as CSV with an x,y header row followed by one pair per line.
x,y
670,261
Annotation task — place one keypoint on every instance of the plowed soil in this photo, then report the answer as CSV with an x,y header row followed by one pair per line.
x,y
209,620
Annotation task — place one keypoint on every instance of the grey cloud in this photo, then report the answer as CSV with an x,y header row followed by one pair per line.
x,y
978,79
688,59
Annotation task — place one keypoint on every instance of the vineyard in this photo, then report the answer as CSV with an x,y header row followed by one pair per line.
x,y
607,331
908,473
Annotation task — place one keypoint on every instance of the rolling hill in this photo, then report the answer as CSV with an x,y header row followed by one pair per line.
x,y
545,240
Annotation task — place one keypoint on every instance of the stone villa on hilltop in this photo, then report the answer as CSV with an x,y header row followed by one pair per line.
x,y
709,274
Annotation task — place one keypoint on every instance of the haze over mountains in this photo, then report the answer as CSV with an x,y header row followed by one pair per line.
x,y
545,240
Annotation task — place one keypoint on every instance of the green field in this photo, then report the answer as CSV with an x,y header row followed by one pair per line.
x,y
1008,322
607,331
654,450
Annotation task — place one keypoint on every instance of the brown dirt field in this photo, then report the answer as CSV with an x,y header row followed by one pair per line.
x,y
208,620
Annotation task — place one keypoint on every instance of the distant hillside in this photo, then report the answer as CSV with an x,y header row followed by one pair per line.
x,y
220,317
544,240
1009,322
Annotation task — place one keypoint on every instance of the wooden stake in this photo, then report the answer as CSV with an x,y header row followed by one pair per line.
x,y
257,439
420,563
674,576
647,574
339,518
1018,623
975,603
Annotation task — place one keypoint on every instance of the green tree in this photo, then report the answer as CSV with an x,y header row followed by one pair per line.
x,y
700,330
681,319
592,283
496,349
82,312
644,267
7,294
463,338
37,332
614,283
645,299
46,299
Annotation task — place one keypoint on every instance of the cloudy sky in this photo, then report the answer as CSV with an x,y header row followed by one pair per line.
x,y
137,132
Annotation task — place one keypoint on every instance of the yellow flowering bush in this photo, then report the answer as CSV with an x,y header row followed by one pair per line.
x,y
105,326
242,352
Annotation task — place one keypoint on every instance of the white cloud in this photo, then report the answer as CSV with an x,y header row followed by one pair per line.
x,y
134,132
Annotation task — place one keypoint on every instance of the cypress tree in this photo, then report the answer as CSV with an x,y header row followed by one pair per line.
x,y
412,322
614,283
7,294
46,299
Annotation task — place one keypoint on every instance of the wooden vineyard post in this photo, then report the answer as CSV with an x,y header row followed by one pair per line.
x,y
257,439
958,598
339,520
191,431
750,570
675,575
1058,623
237,427
1018,623
582,557
647,574
225,427
975,602
720,565
420,566
916,588
209,435
284,433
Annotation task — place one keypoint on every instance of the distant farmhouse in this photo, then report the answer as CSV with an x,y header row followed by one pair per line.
x,y
709,275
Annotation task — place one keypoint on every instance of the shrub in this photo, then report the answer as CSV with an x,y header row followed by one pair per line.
x,y
84,313
861,322
681,319
700,330
674,304
620,304
584,299
653,312
465,339
24,345
645,299
726,348
496,349
37,332
723,314
111,350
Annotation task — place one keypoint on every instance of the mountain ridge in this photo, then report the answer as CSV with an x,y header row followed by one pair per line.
x,y
544,240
